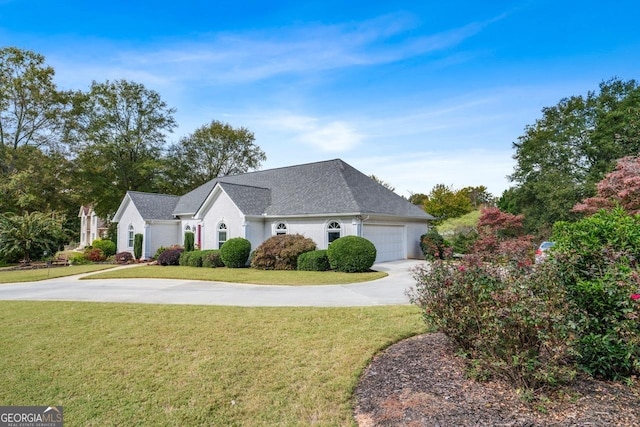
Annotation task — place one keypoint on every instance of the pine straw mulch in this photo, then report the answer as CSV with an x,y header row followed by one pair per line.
x,y
421,382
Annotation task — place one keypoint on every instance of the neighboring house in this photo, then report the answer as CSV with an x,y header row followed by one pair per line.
x,y
322,201
91,226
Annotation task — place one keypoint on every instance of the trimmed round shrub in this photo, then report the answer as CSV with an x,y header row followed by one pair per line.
x,y
211,258
351,254
314,261
281,252
185,256
123,257
107,246
195,259
170,256
235,252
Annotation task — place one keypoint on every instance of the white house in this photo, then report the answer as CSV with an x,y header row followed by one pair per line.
x,y
92,227
322,201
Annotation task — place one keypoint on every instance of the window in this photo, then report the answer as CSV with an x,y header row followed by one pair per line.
x,y
281,228
130,235
333,231
222,234
187,229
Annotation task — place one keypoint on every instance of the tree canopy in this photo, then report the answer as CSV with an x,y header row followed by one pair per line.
x,y
561,157
213,150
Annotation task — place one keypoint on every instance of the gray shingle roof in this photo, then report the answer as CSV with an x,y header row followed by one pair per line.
x,y
327,187
154,206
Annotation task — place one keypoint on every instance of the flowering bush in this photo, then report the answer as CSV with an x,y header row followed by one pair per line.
x,y
509,321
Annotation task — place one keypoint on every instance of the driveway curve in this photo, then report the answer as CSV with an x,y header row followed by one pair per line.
x,y
390,290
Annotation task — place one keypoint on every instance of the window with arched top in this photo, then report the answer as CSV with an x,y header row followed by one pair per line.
x,y
130,235
333,231
280,228
222,234
187,229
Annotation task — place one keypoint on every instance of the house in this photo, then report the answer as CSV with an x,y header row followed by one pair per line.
x,y
323,201
92,227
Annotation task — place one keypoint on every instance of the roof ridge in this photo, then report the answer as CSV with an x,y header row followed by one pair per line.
x,y
240,185
152,194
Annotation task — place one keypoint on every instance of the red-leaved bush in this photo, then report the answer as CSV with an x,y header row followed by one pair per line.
x,y
620,187
501,238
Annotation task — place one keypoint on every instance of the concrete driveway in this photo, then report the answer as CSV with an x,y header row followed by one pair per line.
x,y
389,290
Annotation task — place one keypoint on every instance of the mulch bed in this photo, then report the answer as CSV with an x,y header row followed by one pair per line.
x,y
421,382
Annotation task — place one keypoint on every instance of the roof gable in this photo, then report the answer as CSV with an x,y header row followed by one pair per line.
x,y
150,206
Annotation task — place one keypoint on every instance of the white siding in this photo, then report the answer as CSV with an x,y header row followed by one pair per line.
x,y
414,231
160,234
221,210
129,216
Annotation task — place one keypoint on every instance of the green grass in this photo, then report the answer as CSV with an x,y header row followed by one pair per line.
x,y
16,276
240,275
130,364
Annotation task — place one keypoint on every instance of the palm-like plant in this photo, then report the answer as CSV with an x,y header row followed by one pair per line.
x,y
20,235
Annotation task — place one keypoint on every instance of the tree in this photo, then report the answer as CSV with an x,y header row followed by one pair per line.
x,y
213,150
620,187
119,133
27,234
30,105
137,246
562,156
383,183
418,198
443,202
479,196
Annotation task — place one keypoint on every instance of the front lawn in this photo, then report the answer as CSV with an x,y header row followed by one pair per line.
x,y
16,276
134,364
241,275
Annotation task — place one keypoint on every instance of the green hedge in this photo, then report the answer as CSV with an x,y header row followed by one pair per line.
x,y
314,261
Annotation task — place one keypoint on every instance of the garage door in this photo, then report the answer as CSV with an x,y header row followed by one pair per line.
x,y
388,240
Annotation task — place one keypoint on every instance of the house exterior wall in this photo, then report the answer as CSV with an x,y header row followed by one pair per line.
x,y
130,216
313,228
159,234
222,210
414,231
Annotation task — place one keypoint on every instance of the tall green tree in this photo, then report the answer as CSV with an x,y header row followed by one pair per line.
x,y
561,157
444,202
213,150
31,107
29,233
119,132
385,184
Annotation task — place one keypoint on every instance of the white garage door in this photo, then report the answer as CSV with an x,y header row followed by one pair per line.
x,y
388,240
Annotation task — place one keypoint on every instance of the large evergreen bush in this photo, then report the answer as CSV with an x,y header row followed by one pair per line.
x,y
351,254
107,246
235,252
137,246
189,241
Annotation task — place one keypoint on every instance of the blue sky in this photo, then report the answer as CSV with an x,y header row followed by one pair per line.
x,y
416,92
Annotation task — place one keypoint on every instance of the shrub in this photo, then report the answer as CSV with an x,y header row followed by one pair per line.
x,y
433,246
211,258
509,322
598,258
159,251
107,246
123,257
314,261
94,255
137,246
351,254
184,258
78,259
281,252
235,252
170,256
189,241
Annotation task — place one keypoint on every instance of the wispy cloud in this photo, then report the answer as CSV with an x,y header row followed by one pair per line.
x,y
244,57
